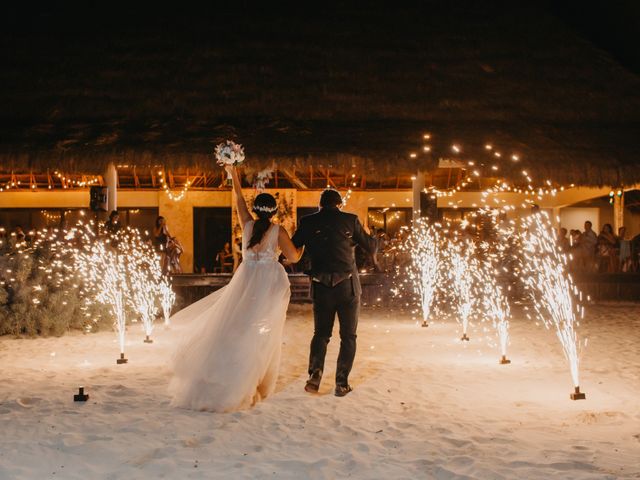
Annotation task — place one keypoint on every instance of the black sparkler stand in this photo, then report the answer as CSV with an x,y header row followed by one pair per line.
x,y
81,396
504,360
577,395
424,324
121,360
148,340
464,338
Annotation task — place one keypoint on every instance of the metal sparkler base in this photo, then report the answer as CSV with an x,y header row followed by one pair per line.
x,y
121,360
148,340
81,396
577,395
424,324
504,360
464,338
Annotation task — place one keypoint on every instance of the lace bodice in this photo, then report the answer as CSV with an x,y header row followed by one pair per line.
x,y
266,251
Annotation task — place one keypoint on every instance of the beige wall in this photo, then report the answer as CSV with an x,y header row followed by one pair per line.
x,y
360,202
179,214
179,217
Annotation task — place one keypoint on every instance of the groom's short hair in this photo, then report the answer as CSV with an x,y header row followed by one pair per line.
x,y
330,198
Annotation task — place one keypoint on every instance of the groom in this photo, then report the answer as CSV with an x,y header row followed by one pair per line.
x,y
329,236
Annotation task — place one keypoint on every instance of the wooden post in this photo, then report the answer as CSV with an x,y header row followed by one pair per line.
x,y
618,210
111,180
418,186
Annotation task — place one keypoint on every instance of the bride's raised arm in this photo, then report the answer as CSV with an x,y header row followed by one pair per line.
x,y
241,204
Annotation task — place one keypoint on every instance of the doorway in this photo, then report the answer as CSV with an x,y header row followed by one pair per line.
x,y
211,230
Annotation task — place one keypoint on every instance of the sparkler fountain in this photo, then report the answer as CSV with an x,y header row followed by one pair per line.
x,y
425,258
463,265
167,299
555,297
496,306
143,277
106,270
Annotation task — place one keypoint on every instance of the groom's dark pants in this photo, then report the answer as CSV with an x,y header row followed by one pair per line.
x,y
343,299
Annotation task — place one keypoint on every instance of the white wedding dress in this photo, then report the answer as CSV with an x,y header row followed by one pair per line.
x,y
230,355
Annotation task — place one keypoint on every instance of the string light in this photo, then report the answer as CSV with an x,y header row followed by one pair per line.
x,y
176,197
501,186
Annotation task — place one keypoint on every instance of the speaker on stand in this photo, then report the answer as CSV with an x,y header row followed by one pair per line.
x,y
429,206
98,202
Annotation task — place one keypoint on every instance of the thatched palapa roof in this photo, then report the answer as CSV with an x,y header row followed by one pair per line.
x,y
351,86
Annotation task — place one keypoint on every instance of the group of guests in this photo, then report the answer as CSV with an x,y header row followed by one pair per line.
x,y
605,252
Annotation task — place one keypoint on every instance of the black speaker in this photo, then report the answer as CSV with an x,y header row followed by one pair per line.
x,y
429,206
98,199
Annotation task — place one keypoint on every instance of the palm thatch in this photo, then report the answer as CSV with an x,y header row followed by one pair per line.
x,y
348,87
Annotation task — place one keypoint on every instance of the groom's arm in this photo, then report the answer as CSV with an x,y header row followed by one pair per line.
x,y
367,242
299,238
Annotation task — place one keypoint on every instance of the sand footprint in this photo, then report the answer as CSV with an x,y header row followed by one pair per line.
x,y
28,402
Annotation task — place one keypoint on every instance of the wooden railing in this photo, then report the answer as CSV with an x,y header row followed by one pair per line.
x,y
377,287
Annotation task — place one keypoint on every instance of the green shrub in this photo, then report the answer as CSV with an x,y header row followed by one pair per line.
x,y
41,295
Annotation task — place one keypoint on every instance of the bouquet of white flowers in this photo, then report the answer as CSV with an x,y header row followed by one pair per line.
x,y
229,153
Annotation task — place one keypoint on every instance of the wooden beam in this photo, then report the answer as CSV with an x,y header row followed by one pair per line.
x,y
329,181
293,179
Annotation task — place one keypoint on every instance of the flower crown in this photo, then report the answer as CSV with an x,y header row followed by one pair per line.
x,y
264,208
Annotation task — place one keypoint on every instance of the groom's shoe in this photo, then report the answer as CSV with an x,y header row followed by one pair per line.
x,y
313,384
342,390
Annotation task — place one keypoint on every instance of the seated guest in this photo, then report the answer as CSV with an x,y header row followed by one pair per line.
x,y
224,258
237,253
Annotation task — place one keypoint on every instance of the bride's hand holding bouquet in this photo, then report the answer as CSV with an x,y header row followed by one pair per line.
x,y
229,154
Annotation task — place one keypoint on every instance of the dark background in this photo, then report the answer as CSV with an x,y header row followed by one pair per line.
x,y
611,25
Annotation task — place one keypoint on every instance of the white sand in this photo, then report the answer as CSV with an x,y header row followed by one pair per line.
x,y
424,406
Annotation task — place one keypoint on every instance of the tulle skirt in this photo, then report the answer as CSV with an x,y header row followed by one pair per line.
x,y
229,355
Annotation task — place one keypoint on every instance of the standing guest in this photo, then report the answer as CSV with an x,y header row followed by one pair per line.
x,y
606,246
588,242
4,241
112,226
635,253
624,250
174,251
575,249
18,238
563,240
160,234
574,238
168,247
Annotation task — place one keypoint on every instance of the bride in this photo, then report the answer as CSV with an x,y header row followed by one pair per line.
x,y
229,359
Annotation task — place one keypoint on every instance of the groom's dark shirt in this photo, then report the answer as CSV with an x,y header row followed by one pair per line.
x,y
329,237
